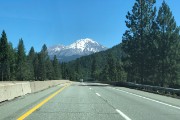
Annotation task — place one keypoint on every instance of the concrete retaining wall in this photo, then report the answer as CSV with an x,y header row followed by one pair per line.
x,y
11,90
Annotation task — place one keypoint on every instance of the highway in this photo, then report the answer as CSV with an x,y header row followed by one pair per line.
x,y
91,101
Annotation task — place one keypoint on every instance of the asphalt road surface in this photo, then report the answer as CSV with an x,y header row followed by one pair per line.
x,y
91,101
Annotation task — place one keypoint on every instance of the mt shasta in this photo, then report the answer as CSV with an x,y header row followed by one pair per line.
x,y
80,48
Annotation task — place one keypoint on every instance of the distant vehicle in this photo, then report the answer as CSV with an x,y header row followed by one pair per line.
x,y
81,80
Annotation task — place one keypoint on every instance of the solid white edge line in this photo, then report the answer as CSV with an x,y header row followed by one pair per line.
x,y
150,99
123,115
98,94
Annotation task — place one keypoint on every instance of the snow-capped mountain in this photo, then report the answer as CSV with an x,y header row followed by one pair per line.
x,y
80,48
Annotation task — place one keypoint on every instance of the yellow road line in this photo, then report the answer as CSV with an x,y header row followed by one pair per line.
x,y
41,103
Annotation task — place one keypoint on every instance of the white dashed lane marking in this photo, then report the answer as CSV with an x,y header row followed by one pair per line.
x,y
98,94
123,115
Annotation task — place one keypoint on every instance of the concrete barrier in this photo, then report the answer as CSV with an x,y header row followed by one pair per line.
x,y
26,88
14,90
41,85
11,90
3,95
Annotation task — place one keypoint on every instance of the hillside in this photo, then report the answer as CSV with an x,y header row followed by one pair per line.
x,y
83,66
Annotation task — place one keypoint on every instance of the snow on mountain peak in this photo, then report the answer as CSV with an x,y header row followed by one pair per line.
x,y
56,48
82,44
86,40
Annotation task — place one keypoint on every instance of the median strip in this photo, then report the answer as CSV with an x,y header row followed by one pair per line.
x,y
41,103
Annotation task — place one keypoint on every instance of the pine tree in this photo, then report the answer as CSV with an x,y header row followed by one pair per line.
x,y
121,75
178,66
12,61
94,68
77,70
105,73
22,67
43,56
56,68
30,62
36,66
111,61
31,54
49,69
4,57
136,39
65,72
168,45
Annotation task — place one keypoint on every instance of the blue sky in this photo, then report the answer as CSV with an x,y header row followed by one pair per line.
x,y
53,22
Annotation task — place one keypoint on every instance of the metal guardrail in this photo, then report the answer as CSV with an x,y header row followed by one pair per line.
x,y
149,88
157,89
